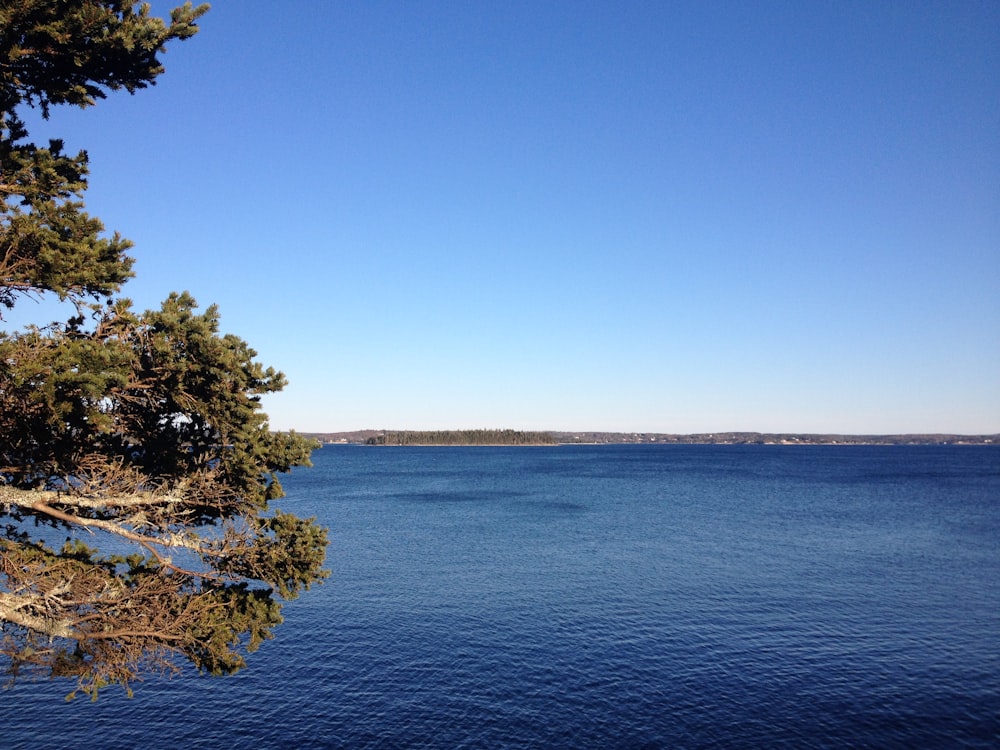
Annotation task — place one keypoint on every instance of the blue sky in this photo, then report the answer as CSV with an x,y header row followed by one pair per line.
x,y
648,216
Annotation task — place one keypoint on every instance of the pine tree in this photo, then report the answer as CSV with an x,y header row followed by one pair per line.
x,y
141,433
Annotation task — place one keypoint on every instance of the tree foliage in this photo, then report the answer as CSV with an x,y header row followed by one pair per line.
x,y
138,433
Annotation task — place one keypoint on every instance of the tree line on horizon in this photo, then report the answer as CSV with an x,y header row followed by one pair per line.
x,y
461,437
555,437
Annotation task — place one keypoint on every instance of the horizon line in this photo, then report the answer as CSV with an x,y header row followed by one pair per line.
x,y
936,433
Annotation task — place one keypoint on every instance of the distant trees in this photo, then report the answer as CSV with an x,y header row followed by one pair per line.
x,y
136,467
462,437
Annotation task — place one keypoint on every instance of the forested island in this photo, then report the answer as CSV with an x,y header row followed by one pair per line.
x,y
517,437
460,437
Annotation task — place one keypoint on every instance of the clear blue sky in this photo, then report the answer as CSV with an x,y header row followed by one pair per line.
x,y
649,216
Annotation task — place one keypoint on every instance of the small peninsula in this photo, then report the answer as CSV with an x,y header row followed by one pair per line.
x,y
460,437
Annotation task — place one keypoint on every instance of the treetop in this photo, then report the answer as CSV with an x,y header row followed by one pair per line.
x,y
70,51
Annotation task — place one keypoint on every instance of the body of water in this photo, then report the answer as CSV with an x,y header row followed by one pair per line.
x,y
608,597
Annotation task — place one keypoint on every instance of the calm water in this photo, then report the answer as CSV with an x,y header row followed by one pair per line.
x,y
608,597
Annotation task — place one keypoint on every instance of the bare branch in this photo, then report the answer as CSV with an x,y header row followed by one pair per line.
x,y
12,609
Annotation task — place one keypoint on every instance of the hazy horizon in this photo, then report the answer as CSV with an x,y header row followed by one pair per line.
x,y
642,432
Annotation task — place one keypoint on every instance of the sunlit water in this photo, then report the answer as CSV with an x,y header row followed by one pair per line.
x,y
608,597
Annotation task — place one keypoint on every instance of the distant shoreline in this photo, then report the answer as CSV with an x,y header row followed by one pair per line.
x,y
451,437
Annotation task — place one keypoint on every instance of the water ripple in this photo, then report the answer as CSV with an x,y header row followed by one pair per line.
x,y
609,598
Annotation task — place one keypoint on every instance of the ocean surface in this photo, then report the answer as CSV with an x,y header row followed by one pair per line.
x,y
607,597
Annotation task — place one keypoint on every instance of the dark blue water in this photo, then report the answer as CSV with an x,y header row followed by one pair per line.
x,y
608,597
